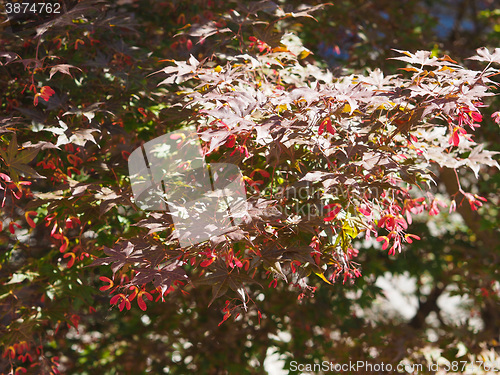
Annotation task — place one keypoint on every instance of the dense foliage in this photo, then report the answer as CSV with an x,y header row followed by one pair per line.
x,y
354,172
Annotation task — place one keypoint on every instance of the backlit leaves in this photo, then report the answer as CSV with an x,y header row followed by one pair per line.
x,y
17,161
483,54
62,68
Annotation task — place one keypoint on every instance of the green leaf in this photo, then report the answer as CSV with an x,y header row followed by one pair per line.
x,y
26,155
350,229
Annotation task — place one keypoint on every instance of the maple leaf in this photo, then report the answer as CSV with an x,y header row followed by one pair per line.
x,y
483,54
406,121
302,254
227,116
62,68
9,57
183,71
42,145
349,92
215,137
205,31
65,136
305,12
109,198
268,36
478,157
371,160
378,79
89,111
18,161
126,253
162,277
315,176
306,93
66,18
153,224
80,137
420,57
222,279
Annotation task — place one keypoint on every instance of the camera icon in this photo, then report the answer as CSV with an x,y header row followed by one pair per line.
x,y
169,173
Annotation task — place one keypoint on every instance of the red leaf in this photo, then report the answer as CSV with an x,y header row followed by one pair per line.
x,y
455,139
9,352
333,210
383,220
64,245
11,227
262,172
5,177
75,319
142,111
231,141
409,237
71,221
226,316
134,293
115,299
141,303
29,220
327,123
364,211
207,262
125,303
79,41
45,92
140,300
386,241
496,117
106,280
72,260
